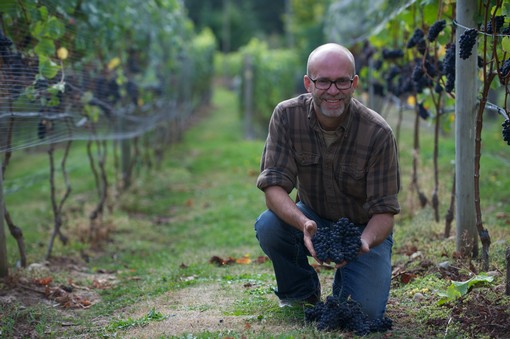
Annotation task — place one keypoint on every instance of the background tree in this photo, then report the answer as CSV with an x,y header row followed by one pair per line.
x,y
245,19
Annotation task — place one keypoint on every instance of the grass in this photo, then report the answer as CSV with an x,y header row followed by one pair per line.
x,y
202,202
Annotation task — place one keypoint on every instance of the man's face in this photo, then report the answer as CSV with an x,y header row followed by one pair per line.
x,y
331,99
331,96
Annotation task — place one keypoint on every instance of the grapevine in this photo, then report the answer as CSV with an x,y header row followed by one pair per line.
x,y
337,314
339,242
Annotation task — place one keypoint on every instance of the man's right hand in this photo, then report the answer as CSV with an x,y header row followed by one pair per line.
x,y
309,229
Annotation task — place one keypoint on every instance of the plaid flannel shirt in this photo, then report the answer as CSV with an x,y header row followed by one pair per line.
x,y
355,177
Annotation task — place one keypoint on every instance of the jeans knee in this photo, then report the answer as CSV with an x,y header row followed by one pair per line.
x,y
265,229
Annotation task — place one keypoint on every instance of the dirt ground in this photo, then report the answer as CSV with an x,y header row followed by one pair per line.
x,y
202,308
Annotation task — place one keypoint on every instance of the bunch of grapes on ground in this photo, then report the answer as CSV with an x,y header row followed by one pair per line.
x,y
337,242
347,315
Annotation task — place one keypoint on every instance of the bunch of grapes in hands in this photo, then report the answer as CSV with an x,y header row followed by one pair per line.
x,y
338,242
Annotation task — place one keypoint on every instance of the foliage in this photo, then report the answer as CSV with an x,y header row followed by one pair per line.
x,y
229,65
93,68
234,23
305,25
275,77
458,289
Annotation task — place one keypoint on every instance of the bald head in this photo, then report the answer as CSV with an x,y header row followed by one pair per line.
x,y
330,55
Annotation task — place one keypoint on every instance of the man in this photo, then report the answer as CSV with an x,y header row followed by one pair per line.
x,y
342,159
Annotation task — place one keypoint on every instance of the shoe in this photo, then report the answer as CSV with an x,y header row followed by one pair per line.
x,y
311,300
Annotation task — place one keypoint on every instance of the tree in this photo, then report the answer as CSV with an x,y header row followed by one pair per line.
x,y
234,23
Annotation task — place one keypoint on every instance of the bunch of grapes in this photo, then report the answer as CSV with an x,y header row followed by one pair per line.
x,y
338,242
404,83
436,28
337,314
506,131
499,21
466,42
504,70
438,88
422,75
449,68
392,73
423,112
378,88
6,56
392,54
416,38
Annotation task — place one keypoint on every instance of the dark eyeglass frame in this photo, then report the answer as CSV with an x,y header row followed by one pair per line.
x,y
351,80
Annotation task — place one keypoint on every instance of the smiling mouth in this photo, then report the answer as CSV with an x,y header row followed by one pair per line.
x,y
332,101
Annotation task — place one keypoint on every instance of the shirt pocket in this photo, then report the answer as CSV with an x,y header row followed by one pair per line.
x,y
352,180
307,159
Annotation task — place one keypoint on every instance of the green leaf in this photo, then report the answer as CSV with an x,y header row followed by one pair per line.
x,y
458,289
505,43
54,28
45,48
37,30
47,68
58,87
8,6
93,112
44,13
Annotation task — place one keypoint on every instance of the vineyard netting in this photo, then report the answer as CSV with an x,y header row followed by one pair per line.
x,y
343,24
97,70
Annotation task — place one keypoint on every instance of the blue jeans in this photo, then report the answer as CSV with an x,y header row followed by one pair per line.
x,y
366,279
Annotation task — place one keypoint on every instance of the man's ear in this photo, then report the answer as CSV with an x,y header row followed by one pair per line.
x,y
355,81
307,82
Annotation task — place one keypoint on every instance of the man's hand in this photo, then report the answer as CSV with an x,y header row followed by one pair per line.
x,y
365,248
309,230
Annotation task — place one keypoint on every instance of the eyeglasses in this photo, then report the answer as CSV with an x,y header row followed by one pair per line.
x,y
340,84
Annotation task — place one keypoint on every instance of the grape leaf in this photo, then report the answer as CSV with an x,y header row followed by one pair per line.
x,y
505,43
458,289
